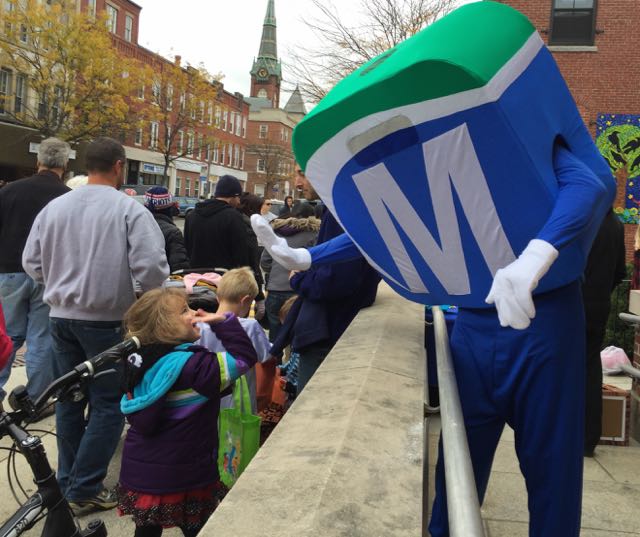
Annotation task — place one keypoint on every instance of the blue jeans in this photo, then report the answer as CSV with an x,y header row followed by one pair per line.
x,y
27,319
311,359
275,300
85,447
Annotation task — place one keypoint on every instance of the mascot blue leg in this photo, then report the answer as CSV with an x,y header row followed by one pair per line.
x,y
532,380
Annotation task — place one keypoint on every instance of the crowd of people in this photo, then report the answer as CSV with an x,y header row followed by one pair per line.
x,y
85,267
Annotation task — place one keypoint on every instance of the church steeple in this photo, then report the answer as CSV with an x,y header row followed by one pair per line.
x,y
266,72
268,43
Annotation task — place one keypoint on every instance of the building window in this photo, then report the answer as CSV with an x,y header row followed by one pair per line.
x,y
244,126
192,106
216,151
224,152
21,91
232,122
200,146
286,135
91,7
57,103
263,94
180,143
5,88
264,129
155,91
573,22
225,115
169,97
187,188
229,155
153,141
43,106
238,125
189,144
202,105
141,92
260,167
208,152
112,18
210,113
178,185
183,101
258,190
128,28
196,187
242,160
236,156
218,116
138,139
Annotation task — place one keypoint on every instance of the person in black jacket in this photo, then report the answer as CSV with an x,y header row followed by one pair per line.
x,y
604,271
160,202
216,235
27,316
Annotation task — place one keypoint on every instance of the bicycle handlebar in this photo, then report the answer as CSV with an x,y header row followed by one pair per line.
x,y
19,399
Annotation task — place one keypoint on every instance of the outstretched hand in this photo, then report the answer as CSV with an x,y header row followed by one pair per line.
x,y
513,285
282,253
202,316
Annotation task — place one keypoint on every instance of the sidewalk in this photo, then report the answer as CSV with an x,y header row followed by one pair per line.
x,y
611,489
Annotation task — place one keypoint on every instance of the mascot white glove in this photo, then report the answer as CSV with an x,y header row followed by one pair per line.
x,y
282,253
512,285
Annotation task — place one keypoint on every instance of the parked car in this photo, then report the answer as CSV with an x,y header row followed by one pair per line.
x,y
186,204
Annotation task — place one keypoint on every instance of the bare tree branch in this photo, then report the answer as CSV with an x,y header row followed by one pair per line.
x,y
382,25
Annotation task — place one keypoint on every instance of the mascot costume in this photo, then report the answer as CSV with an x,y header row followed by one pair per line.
x,y
459,167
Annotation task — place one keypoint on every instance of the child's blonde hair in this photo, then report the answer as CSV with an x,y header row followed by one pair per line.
x,y
285,308
155,317
236,284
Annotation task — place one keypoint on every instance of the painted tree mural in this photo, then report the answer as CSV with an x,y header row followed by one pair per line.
x,y
618,139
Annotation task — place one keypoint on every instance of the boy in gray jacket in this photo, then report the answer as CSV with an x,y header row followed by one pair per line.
x,y
88,247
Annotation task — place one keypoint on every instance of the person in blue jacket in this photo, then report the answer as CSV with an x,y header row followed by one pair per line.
x,y
330,296
520,362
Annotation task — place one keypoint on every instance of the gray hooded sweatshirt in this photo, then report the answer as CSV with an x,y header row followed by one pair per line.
x,y
88,247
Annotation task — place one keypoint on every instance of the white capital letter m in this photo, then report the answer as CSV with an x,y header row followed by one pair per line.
x,y
451,162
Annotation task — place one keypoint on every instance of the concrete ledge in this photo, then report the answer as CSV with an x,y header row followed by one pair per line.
x,y
346,459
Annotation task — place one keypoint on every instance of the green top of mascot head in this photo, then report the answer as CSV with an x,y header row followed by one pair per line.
x,y
460,52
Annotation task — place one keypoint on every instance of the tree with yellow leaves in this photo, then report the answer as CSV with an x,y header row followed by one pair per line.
x,y
63,76
183,110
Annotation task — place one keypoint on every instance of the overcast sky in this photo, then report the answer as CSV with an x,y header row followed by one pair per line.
x,y
224,35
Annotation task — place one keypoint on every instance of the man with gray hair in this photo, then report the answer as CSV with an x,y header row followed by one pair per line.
x,y
27,316
88,247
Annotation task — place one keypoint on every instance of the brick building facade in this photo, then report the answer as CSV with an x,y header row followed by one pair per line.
x,y
225,120
593,42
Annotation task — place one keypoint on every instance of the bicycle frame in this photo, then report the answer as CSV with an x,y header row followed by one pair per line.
x,y
60,521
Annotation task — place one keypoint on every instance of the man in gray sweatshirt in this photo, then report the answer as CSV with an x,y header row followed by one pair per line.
x,y
88,247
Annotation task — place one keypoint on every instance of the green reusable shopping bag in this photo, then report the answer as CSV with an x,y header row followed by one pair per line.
x,y
239,432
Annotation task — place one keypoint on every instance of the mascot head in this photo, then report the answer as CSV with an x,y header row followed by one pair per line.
x,y
436,156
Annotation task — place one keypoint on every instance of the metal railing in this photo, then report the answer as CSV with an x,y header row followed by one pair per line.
x,y
462,496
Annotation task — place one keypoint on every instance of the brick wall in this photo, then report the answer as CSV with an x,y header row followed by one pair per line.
x,y
606,80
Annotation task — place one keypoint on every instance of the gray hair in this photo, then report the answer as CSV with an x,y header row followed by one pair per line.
x,y
53,153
